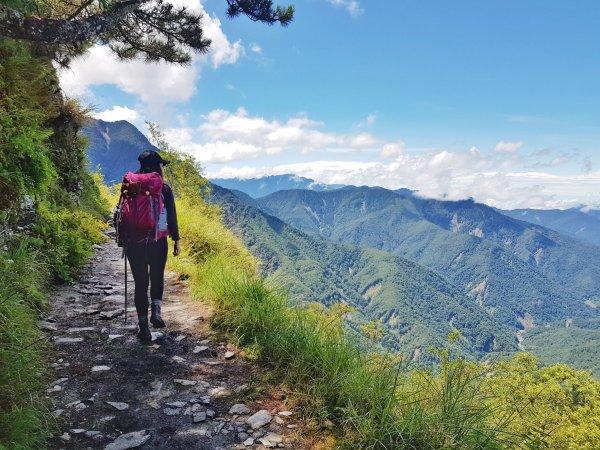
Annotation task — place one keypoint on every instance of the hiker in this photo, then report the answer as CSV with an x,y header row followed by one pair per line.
x,y
144,238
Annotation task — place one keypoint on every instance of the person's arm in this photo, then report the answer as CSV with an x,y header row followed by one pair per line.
x,y
172,217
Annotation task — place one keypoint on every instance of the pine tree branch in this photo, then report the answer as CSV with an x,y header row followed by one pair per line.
x,y
14,24
261,11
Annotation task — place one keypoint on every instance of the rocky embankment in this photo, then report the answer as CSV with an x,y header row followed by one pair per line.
x,y
189,389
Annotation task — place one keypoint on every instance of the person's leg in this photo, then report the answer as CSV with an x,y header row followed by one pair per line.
x,y
157,260
138,261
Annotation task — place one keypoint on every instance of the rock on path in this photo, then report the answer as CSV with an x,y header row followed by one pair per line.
x,y
185,391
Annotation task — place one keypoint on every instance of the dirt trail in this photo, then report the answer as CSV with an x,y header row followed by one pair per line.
x,y
175,394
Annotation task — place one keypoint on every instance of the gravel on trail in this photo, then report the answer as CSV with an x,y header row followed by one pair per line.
x,y
187,390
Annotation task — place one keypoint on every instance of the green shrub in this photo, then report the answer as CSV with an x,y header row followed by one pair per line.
x,y
68,236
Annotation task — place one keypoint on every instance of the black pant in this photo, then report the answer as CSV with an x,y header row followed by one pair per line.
x,y
147,263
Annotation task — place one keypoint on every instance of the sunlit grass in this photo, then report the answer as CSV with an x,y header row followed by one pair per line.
x,y
22,410
375,401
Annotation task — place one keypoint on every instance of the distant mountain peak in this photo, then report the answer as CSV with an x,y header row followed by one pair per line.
x,y
114,147
261,186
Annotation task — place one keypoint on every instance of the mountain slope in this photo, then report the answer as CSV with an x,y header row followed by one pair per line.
x,y
579,223
417,307
524,275
114,147
258,187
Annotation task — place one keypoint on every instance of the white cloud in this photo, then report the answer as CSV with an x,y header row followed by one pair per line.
x,y
444,174
498,178
352,6
117,113
392,150
425,174
508,147
238,136
216,151
155,84
255,48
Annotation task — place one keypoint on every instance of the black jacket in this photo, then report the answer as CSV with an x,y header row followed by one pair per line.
x,y
169,199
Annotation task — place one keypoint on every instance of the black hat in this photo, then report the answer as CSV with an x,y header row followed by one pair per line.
x,y
150,158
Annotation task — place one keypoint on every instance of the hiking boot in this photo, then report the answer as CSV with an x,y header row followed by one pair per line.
x,y
155,318
144,334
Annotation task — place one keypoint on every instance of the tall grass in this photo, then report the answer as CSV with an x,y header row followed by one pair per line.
x,y
22,411
376,402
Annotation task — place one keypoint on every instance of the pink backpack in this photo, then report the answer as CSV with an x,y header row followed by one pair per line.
x,y
140,208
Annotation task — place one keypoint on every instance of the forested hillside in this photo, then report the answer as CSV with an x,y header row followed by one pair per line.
x,y
522,274
417,307
580,223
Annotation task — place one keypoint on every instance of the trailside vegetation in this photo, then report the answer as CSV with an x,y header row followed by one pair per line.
x,y
375,400
51,215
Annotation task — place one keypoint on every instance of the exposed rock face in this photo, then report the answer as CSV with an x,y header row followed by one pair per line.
x,y
526,321
477,232
371,292
478,292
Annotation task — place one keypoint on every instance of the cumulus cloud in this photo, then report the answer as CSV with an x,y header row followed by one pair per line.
x,y
215,151
155,84
233,136
352,6
508,147
255,48
497,179
118,113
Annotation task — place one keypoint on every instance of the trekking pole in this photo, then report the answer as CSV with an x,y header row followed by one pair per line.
x,y
125,258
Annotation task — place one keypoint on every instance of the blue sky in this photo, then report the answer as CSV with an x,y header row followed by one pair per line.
x,y
498,100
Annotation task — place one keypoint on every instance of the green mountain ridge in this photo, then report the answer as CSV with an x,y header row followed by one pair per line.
x,y
517,271
579,223
417,307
